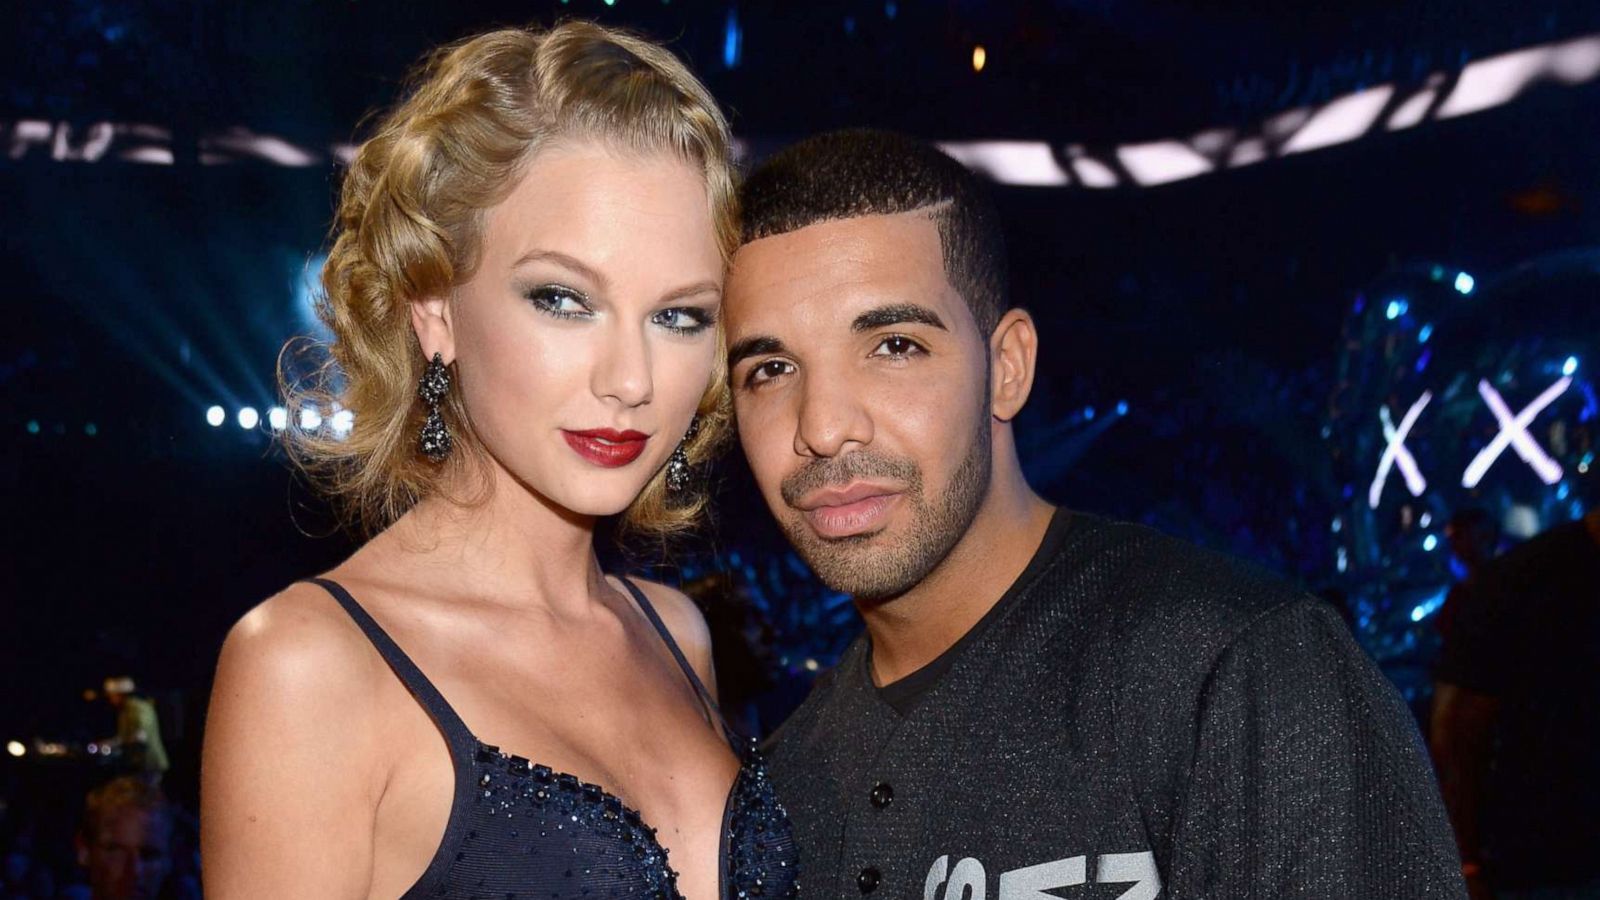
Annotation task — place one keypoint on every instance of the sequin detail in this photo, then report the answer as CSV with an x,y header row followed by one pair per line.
x,y
759,857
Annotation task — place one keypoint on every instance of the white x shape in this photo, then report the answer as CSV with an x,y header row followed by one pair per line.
x,y
1514,433
1397,454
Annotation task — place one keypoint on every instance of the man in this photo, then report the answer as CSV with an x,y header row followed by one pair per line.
x,y
138,731
1044,704
1516,718
125,843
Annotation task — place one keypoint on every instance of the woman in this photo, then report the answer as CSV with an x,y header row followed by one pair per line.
x,y
523,291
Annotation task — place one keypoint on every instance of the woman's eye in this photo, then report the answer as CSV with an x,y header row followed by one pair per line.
x,y
766,371
563,303
684,319
897,346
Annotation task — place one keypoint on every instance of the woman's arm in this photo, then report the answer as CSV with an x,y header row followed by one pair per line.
x,y
291,773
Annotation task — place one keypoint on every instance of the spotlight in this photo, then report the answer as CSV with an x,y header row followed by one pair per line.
x,y
278,418
215,416
343,421
310,419
1396,309
1430,543
1570,367
1423,333
980,58
1088,413
1465,283
33,426
249,418
1122,407
15,748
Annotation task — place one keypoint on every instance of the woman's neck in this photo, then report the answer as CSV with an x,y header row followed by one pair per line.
x,y
506,542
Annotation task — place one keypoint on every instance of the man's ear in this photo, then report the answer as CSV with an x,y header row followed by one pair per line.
x,y
1013,352
431,319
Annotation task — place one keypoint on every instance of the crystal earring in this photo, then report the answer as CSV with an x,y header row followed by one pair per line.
x,y
434,440
678,469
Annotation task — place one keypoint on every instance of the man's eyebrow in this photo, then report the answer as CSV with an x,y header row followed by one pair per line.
x,y
896,314
753,346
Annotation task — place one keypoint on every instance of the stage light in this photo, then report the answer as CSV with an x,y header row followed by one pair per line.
x,y
732,39
1563,491
1465,283
1088,414
1426,520
1423,333
812,665
1344,560
278,418
215,416
15,748
1430,543
249,418
33,426
91,430
310,419
1570,367
1122,407
1396,309
1341,120
1029,163
980,58
342,422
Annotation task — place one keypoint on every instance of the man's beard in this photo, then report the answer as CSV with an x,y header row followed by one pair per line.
x,y
871,572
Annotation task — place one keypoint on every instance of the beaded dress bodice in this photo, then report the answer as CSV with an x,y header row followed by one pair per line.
x,y
518,829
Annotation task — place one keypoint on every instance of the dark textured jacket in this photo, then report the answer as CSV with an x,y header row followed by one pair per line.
x,y
1139,719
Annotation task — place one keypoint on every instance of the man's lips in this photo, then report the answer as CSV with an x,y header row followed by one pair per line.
x,y
852,510
607,447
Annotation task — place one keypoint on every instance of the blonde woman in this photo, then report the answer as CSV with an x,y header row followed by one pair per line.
x,y
523,288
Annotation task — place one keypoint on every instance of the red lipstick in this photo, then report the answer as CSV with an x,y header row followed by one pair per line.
x,y
607,447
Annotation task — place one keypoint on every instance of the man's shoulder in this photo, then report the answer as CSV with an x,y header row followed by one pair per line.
x,y
794,736
1140,578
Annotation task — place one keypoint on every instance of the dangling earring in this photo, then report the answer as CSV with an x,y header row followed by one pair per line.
x,y
434,440
678,470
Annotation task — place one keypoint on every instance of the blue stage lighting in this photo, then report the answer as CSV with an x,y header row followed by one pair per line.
x,y
1430,543
249,418
215,416
1465,283
1396,309
1570,367
1122,407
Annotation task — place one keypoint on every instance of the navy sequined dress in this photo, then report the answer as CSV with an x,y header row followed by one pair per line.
x,y
521,830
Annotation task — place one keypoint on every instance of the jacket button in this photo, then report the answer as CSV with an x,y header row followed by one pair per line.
x,y
868,880
882,795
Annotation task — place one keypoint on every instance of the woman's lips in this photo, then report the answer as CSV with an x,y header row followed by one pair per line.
x,y
607,447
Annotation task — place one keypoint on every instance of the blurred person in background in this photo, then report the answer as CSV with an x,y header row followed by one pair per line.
x,y
1516,719
125,843
138,739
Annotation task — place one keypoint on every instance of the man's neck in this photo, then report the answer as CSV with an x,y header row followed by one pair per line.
x,y
914,628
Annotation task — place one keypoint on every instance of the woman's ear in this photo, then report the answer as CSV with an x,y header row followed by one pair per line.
x,y
1013,352
431,320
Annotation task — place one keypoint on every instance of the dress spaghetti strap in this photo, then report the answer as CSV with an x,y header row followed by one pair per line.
x,y
683,662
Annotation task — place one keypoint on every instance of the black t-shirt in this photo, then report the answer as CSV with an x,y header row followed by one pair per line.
x,y
1528,632
904,693
1138,719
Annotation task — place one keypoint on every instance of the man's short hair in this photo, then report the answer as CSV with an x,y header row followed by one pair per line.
x,y
119,794
863,172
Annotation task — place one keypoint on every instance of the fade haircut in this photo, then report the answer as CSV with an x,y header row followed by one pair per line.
x,y
863,172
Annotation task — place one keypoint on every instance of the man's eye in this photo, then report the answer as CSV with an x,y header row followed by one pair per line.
x,y
767,371
898,346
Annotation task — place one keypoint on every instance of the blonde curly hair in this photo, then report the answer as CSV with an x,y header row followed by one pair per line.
x,y
409,225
